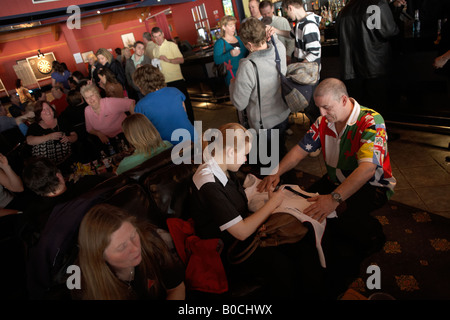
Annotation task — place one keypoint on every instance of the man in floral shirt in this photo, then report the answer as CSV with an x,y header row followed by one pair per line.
x,y
359,179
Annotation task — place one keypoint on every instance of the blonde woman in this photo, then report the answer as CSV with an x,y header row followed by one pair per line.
x,y
229,48
144,137
122,259
107,60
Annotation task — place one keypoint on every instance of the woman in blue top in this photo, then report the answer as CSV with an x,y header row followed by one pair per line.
x,y
60,75
163,106
229,48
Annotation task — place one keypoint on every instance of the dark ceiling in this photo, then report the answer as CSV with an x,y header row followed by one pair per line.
x,y
42,18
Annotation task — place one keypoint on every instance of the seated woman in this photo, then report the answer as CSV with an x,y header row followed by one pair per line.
x,y
109,83
104,116
144,137
121,259
51,137
220,210
162,105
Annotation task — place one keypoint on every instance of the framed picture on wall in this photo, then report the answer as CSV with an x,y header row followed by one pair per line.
x,y
2,87
85,55
228,7
128,40
42,66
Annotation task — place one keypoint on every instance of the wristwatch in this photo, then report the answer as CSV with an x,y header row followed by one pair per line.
x,y
336,197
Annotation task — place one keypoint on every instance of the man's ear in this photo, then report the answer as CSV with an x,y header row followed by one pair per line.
x,y
344,99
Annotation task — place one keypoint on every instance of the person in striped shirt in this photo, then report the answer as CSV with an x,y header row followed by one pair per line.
x,y
307,40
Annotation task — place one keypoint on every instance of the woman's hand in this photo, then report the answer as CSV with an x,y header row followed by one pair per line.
x,y
103,138
55,135
276,197
235,51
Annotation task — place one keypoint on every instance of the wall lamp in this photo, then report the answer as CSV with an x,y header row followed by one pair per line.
x,y
40,54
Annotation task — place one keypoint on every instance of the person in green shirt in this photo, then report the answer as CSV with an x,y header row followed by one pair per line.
x,y
144,137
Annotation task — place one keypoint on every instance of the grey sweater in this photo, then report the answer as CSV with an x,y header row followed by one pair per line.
x,y
244,94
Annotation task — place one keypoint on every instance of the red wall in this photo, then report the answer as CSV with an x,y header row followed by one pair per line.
x,y
92,36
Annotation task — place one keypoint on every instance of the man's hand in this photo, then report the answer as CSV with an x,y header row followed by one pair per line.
x,y
3,161
268,183
322,206
164,58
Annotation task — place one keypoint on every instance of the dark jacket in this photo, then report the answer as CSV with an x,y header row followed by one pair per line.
x,y
130,68
364,46
116,67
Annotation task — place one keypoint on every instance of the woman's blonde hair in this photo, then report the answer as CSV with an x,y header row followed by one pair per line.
x,y
99,281
224,21
141,133
89,88
108,55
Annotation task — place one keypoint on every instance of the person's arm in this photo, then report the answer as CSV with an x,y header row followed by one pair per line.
x,y
103,138
290,160
132,106
246,227
8,178
35,140
175,53
313,46
177,293
324,204
243,85
179,60
270,30
440,61
72,137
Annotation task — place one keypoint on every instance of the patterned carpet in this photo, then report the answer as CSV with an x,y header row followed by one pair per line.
x,y
415,261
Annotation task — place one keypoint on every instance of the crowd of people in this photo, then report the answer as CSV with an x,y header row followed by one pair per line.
x,y
134,100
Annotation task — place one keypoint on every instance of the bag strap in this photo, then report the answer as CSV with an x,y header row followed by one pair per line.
x,y
259,94
277,56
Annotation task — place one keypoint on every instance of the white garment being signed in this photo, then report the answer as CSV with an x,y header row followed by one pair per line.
x,y
292,204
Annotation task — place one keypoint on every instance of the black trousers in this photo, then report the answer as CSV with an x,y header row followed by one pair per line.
x,y
354,235
181,85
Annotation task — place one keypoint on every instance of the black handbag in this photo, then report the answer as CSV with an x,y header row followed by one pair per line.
x,y
220,70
